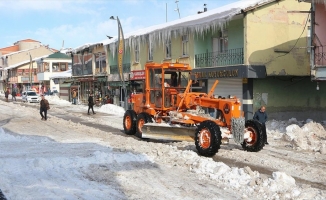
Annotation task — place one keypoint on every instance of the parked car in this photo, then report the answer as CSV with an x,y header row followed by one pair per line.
x,y
30,97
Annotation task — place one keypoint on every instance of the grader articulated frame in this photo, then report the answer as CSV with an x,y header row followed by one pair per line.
x,y
169,110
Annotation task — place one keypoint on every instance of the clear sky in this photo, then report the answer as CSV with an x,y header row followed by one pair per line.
x,y
77,22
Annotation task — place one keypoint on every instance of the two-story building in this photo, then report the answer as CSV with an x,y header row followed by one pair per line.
x,y
49,66
254,48
257,50
19,64
89,70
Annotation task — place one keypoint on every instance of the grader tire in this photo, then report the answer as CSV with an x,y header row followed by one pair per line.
x,y
129,122
142,119
208,138
258,137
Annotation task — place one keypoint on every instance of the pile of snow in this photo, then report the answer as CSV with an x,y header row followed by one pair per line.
x,y
302,135
112,109
54,99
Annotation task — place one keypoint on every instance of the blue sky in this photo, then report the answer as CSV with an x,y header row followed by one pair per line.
x,y
77,22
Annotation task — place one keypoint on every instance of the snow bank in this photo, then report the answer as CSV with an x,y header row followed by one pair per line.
x,y
54,99
302,135
112,109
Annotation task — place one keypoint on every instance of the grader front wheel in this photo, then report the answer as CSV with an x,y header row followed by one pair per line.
x,y
208,138
142,119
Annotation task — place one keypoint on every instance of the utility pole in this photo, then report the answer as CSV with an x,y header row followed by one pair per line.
x,y
166,12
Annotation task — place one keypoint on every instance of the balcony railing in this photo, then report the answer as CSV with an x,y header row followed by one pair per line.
x,y
114,68
222,58
320,55
80,69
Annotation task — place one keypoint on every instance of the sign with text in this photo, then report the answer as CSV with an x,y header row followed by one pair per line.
x,y
137,75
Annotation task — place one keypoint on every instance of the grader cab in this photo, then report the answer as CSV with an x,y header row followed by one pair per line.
x,y
169,110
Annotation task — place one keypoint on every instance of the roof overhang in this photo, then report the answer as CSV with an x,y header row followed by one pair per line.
x,y
24,62
84,47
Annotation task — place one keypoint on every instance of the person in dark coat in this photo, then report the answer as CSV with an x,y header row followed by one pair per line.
x,y
44,107
174,79
7,94
13,94
261,116
90,103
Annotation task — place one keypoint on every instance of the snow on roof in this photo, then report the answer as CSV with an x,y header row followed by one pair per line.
x,y
199,23
84,46
65,74
24,62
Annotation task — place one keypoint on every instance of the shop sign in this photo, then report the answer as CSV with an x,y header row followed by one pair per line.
x,y
217,74
137,75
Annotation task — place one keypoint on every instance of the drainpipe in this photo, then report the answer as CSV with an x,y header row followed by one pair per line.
x,y
312,36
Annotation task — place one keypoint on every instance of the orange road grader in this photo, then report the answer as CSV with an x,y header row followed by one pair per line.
x,y
167,109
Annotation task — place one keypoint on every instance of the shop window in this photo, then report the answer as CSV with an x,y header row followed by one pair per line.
x,y
185,45
100,63
46,67
137,53
223,41
168,49
62,66
55,67
150,51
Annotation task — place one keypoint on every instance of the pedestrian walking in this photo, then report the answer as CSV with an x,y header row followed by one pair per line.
x,y
44,107
7,94
261,116
13,95
90,103
74,96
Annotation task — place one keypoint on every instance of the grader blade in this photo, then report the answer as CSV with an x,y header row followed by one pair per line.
x,y
172,133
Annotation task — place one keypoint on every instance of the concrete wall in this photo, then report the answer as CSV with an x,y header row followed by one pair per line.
x,y
271,28
287,97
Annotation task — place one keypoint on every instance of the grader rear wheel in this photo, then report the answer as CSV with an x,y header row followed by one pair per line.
x,y
129,122
208,138
257,137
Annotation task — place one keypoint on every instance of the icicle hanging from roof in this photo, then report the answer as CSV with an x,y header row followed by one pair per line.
x,y
215,19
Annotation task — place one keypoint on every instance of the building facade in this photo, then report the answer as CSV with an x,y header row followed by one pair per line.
x,y
20,67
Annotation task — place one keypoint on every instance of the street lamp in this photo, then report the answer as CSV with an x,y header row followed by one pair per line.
x,y
177,8
120,59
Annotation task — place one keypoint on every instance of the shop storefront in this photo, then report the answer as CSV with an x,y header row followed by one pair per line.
x,y
116,88
233,80
86,88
